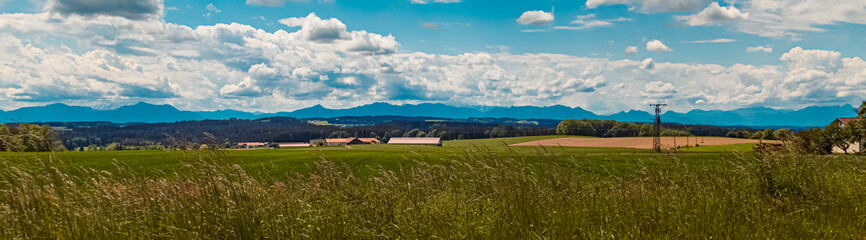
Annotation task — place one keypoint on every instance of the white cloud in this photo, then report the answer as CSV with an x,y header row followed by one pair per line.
x,y
246,88
714,14
430,25
210,7
651,6
819,75
659,89
139,9
719,40
647,64
534,30
657,46
434,1
269,3
588,21
316,29
332,30
238,66
279,3
766,49
767,18
799,58
631,50
778,19
537,18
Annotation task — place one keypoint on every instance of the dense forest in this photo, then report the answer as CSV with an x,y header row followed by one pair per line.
x,y
278,129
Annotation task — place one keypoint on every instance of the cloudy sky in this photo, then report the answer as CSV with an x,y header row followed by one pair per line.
x,y
278,55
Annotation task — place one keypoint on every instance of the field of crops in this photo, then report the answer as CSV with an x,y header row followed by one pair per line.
x,y
466,189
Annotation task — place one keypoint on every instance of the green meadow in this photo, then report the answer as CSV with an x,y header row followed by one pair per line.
x,y
363,159
466,189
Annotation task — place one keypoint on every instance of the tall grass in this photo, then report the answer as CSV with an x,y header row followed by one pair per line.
x,y
477,194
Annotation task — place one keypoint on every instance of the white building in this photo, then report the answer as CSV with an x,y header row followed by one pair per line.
x,y
416,141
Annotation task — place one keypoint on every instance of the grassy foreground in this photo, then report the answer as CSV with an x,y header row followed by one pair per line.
x,y
461,191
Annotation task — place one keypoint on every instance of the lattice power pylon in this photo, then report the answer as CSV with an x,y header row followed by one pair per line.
x,y
657,135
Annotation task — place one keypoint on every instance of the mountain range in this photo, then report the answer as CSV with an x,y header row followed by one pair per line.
x,y
150,113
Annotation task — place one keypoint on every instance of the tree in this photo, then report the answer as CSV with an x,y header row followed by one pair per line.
x,y
768,134
861,112
860,123
412,133
502,131
575,127
758,135
339,134
647,130
623,129
813,141
839,136
782,134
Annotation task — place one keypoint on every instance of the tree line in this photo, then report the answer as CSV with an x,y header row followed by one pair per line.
x,y
227,133
611,128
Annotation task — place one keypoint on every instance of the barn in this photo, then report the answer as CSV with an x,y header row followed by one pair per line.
x,y
289,144
416,141
252,144
342,141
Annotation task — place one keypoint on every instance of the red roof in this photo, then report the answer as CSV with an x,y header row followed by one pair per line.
x,y
369,140
846,120
338,140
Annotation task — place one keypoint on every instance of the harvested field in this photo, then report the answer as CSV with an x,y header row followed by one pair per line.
x,y
638,142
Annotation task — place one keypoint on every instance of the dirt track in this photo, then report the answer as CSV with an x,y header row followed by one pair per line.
x,y
636,142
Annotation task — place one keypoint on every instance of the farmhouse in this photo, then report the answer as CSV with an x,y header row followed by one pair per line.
x,y
342,141
252,144
855,147
416,141
317,142
350,141
289,144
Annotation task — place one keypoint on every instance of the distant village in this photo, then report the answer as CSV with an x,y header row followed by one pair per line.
x,y
431,141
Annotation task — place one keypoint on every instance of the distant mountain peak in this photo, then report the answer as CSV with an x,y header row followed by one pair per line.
x,y
757,116
380,104
57,105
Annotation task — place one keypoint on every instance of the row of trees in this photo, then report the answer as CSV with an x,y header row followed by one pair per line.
x,y
611,128
767,134
28,138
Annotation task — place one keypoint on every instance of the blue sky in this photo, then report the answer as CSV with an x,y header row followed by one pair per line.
x,y
596,55
472,26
